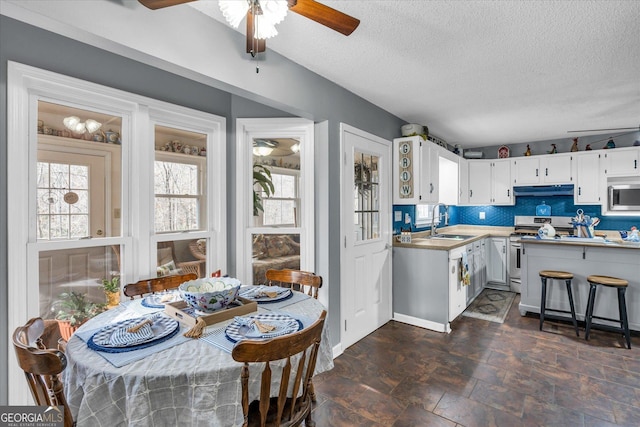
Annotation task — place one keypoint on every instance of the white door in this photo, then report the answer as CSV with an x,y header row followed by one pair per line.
x,y
365,279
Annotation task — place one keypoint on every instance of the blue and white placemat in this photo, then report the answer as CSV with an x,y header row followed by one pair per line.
x,y
122,359
275,306
217,337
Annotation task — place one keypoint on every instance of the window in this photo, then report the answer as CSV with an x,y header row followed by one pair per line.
x,y
280,208
366,196
62,204
424,214
178,196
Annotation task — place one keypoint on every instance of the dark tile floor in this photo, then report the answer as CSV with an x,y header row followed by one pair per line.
x,y
483,374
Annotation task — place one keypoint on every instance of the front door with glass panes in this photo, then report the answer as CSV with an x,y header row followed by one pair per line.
x,y
366,257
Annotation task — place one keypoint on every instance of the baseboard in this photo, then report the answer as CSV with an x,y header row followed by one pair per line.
x,y
427,324
337,350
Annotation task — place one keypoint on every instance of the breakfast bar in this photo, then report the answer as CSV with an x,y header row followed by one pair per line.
x,y
582,259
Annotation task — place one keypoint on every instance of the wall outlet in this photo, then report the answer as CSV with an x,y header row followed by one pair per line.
x,y
482,215
397,216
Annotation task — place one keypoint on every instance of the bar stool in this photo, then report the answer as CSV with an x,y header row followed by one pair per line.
x,y
557,275
621,286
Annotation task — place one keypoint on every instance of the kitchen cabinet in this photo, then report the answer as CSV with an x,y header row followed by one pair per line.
x,y
463,180
588,178
490,182
457,291
415,171
546,169
622,162
427,290
497,260
476,259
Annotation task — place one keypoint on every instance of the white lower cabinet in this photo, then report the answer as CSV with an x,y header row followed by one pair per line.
x,y
497,260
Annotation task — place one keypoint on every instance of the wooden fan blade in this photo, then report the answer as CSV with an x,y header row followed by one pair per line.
x,y
325,15
159,4
253,45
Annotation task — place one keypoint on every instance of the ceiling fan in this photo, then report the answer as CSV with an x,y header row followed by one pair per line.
x,y
602,130
311,9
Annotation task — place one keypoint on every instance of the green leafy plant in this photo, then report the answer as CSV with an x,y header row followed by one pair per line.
x,y
111,285
75,308
261,177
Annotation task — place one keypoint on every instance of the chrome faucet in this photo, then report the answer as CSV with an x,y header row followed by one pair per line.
x,y
434,231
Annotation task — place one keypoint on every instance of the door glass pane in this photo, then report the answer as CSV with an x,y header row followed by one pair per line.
x,y
182,257
366,196
78,173
274,251
71,282
179,180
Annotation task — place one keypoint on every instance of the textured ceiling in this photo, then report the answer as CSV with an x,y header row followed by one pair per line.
x,y
480,73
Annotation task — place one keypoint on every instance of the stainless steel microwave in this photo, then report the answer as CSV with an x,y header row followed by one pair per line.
x,y
624,197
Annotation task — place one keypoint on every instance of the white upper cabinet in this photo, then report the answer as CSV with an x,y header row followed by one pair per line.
x,y
463,180
501,180
588,178
547,169
480,182
622,162
423,173
429,173
490,182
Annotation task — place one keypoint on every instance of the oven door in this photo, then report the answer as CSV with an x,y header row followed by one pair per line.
x,y
515,255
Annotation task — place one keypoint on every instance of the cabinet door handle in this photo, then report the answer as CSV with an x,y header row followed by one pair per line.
x,y
635,164
536,171
546,171
431,187
579,191
470,193
508,193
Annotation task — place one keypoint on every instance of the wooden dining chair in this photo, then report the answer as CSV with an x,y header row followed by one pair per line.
x,y
157,284
284,409
303,281
37,345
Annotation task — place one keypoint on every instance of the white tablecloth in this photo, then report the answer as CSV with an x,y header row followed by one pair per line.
x,y
194,383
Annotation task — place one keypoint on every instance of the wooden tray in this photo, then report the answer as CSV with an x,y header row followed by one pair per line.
x,y
176,310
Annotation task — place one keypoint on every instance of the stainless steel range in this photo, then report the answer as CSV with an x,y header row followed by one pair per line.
x,y
529,226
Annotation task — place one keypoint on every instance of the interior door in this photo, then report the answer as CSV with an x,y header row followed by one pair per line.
x,y
366,222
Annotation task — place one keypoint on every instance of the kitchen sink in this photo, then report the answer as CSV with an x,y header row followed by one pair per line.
x,y
451,237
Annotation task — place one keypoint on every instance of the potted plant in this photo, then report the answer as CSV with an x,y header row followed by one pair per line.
x,y
261,177
72,310
112,291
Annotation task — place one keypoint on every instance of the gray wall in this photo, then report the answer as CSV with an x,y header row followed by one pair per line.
x,y
321,101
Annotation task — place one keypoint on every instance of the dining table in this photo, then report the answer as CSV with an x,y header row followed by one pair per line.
x,y
179,381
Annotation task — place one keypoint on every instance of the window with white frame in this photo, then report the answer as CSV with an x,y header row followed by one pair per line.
x,y
280,208
424,214
178,193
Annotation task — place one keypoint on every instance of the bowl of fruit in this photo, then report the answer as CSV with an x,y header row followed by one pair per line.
x,y
210,294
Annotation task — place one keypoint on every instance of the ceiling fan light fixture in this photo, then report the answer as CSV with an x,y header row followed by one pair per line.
x,y
263,147
234,11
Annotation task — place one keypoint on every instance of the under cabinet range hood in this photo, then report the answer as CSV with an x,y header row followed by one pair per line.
x,y
543,190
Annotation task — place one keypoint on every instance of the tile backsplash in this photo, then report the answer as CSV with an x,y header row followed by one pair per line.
x,y
503,215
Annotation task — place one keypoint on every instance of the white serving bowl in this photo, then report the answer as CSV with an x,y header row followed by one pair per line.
x,y
412,129
211,293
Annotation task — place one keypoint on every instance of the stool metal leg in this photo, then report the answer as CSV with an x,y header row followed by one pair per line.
x,y
588,317
543,301
624,322
573,309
